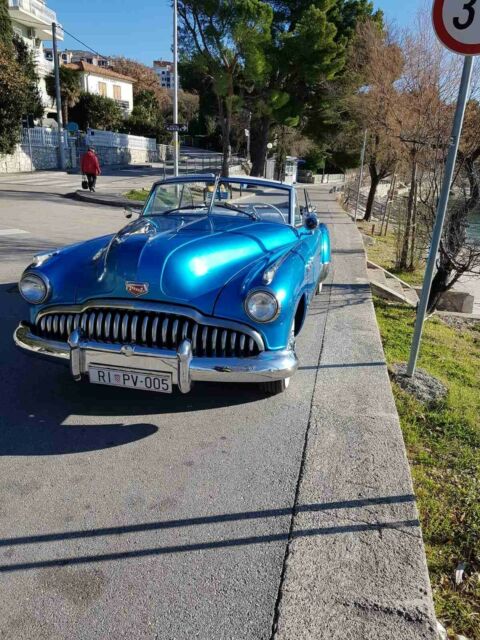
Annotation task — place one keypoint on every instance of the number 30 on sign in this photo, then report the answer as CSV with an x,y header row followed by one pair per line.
x,y
457,24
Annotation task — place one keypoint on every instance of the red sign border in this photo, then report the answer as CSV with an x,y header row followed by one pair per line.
x,y
449,41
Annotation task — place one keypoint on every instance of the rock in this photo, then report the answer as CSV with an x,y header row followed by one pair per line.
x,y
425,387
368,241
442,632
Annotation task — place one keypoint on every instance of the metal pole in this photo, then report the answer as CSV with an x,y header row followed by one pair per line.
x,y
441,211
61,150
175,86
362,161
30,149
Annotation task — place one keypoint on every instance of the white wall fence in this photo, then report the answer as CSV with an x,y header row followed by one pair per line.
x,y
42,137
38,150
94,137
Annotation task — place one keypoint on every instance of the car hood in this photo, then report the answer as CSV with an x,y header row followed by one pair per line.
x,y
183,260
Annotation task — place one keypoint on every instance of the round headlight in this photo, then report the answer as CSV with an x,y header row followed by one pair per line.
x,y
33,288
262,306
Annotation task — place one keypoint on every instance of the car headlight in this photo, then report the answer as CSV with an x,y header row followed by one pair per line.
x,y
34,288
262,306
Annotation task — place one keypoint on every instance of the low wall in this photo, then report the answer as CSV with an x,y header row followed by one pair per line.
x,y
109,156
41,158
24,159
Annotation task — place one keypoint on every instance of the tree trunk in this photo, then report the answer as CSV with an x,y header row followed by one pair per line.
x,y
439,287
64,112
374,182
403,264
259,132
224,113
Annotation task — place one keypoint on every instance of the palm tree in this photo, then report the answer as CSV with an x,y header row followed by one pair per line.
x,y
70,88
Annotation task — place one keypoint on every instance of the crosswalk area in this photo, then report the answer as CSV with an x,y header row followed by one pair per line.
x,y
39,179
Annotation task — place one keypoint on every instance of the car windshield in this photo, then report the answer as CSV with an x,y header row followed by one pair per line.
x,y
256,201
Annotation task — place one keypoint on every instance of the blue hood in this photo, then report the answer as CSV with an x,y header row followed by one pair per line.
x,y
184,260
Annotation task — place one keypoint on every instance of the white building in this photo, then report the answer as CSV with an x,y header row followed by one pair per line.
x,y
107,83
32,21
165,74
78,55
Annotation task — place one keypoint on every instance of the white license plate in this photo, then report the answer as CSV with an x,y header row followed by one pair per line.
x,y
131,379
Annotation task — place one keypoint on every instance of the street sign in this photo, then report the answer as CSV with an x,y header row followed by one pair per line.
x,y
457,24
72,127
176,127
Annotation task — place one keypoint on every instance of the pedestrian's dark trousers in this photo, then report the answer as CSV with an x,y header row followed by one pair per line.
x,y
92,180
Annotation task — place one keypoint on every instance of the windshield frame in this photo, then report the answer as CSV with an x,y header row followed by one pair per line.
x,y
216,180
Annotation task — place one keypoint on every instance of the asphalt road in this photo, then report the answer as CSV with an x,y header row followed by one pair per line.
x,y
126,514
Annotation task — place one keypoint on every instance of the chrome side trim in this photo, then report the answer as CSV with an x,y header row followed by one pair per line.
x,y
156,307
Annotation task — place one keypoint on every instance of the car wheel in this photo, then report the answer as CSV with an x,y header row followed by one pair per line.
x,y
276,387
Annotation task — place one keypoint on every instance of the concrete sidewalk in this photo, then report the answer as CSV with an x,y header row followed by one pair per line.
x,y
355,563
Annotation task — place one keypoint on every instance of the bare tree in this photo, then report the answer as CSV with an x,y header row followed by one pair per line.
x,y
379,59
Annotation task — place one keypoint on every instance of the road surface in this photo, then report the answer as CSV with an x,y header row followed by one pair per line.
x,y
126,515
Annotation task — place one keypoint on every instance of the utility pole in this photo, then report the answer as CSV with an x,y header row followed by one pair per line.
x,y
61,149
175,87
247,133
362,162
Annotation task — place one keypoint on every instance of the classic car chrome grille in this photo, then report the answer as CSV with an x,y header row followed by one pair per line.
x,y
162,330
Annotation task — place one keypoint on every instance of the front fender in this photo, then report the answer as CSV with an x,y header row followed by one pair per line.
x,y
64,269
288,285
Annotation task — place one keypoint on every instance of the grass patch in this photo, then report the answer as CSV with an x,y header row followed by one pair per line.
x,y
383,253
137,194
443,445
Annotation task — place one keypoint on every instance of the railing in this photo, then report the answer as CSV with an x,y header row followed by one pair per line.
x,y
36,8
40,137
99,138
378,208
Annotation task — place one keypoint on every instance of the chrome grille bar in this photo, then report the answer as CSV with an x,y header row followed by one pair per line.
x,y
166,331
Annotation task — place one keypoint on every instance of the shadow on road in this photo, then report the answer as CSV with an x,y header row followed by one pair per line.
x,y
356,527
42,396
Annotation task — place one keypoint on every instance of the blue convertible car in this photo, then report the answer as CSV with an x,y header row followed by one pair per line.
x,y
212,282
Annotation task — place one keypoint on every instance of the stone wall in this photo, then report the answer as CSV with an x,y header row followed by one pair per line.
x,y
40,159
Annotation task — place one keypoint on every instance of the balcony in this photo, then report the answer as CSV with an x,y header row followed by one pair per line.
x,y
36,15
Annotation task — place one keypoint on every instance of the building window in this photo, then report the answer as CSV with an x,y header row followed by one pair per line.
x,y
117,92
102,89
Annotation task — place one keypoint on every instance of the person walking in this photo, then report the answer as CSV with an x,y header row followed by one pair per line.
x,y
91,167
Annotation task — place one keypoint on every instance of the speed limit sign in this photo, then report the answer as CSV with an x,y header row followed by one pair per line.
x,y
457,23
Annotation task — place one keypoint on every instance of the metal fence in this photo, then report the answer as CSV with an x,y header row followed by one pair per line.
x,y
41,137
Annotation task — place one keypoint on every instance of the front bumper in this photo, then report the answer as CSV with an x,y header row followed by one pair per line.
x,y
184,367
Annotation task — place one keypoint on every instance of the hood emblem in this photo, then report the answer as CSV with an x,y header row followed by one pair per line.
x,y
137,288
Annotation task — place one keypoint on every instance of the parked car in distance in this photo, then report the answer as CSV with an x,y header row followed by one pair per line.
x,y
212,282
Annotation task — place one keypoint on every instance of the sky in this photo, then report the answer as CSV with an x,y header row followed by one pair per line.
x,y
142,29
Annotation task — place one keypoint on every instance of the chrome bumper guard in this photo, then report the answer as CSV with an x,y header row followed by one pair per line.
x,y
182,365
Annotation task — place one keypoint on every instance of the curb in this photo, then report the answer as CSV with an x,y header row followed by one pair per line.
x,y
112,200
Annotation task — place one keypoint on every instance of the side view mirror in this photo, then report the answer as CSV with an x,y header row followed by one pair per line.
x,y
130,212
311,221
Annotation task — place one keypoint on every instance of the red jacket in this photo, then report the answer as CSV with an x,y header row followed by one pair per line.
x,y
90,164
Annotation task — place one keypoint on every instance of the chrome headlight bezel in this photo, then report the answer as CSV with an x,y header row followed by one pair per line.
x,y
39,278
274,300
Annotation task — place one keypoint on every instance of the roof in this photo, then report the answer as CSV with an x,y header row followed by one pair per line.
x,y
162,63
98,71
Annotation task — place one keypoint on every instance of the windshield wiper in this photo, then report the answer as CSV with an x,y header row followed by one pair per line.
x,y
250,214
186,207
